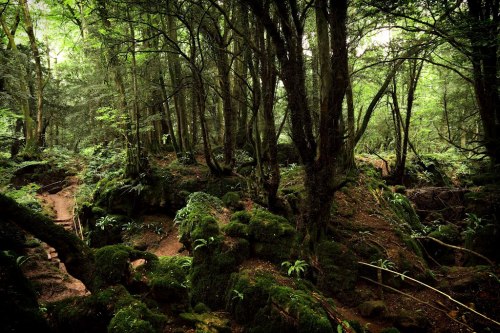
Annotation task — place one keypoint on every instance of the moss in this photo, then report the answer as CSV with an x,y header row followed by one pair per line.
x,y
272,236
136,318
232,200
262,304
211,270
236,229
113,264
196,220
241,216
167,278
447,233
403,209
338,273
113,308
208,322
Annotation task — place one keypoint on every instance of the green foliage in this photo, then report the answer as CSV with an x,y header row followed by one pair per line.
x,y
269,306
26,196
113,264
447,233
339,271
298,267
112,309
168,278
231,199
404,211
106,222
195,220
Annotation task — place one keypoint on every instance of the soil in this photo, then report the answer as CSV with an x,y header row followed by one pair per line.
x,y
43,267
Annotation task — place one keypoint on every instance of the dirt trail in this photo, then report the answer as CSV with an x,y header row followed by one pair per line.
x,y
43,267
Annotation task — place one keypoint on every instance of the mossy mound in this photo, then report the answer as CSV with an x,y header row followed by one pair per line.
x,y
197,219
167,278
112,264
404,211
208,322
112,309
338,269
262,304
212,267
271,236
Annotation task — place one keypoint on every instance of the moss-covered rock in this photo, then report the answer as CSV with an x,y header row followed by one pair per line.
x,y
208,322
372,308
136,318
196,220
338,269
112,309
262,304
232,200
447,233
272,237
212,267
167,278
113,264
404,211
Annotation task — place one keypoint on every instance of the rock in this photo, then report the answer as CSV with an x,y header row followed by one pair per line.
x,y
372,308
411,322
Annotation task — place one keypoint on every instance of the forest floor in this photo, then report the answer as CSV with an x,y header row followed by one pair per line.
x,y
362,221
43,267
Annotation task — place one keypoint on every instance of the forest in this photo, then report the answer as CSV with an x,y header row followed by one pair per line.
x,y
249,166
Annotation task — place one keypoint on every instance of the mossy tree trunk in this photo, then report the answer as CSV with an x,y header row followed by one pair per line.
x,y
319,156
77,257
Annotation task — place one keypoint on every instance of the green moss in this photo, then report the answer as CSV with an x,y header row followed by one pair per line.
x,y
113,264
208,322
339,270
113,308
136,318
212,268
167,278
262,304
232,199
272,236
196,220
447,233
236,229
403,209
241,216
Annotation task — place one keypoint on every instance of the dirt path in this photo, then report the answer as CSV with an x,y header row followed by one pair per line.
x,y
43,267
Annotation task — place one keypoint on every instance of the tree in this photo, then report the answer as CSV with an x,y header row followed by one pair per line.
x,y
472,28
286,30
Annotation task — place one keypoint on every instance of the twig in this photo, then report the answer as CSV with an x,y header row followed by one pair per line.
x,y
434,289
457,248
418,300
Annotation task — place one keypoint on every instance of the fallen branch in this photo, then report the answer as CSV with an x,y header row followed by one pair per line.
x,y
433,289
418,300
456,248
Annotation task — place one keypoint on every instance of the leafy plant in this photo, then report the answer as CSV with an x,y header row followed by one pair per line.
x,y
200,243
238,295
105,222
297,268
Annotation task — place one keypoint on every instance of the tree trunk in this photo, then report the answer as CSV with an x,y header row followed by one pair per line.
x,y
38,70
483,36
